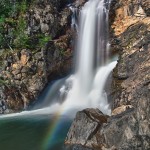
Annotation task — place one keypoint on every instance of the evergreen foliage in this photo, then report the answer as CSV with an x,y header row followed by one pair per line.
x,y
13,26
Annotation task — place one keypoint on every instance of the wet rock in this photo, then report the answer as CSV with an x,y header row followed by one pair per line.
x,y
84,128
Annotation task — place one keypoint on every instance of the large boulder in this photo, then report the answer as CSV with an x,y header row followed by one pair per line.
x,y
92,130
85,129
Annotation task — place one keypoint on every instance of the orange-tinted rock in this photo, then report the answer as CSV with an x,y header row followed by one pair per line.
x,y
121,109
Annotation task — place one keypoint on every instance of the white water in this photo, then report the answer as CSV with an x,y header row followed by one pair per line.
x,y
86,87
74,22
92,69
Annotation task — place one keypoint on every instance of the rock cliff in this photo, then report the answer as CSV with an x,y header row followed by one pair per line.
x,y
128,127
37,49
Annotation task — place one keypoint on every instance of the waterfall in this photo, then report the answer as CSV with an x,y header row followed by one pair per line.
x,y
92,59
85,88
74,20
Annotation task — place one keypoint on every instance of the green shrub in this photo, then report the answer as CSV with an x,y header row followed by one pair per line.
x,y
21,38
9,13
13,26
43,39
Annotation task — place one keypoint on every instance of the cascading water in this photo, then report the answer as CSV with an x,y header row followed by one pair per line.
x,y
74,22
86,87
83,89
92,58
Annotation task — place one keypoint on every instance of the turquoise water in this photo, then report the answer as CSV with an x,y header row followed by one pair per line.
x,y
33,133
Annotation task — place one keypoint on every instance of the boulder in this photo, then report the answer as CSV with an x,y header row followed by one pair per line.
x,y
84,129
91,130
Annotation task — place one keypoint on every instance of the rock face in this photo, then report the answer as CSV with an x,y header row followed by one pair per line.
x,y
129,126
100,132
48,17
125,131
25,72
84,128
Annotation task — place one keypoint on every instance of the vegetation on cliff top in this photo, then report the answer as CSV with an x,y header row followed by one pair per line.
x,y
13,26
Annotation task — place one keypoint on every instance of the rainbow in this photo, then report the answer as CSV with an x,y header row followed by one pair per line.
x,y
56,132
